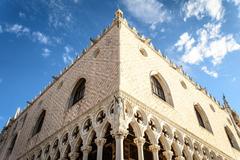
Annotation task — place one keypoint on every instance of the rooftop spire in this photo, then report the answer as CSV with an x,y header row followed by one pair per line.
x,y
118,14
225,102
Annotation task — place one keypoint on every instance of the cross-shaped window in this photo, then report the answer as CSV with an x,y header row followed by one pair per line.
x,y
101,117
152,125
138,117
87,125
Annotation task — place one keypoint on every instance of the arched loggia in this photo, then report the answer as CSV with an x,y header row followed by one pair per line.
x,y
130,148
146,150
93,154
109,146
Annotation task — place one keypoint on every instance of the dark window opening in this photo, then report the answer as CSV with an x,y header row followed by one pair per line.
x,y
200,120
78,91
39,123
231,138
157,88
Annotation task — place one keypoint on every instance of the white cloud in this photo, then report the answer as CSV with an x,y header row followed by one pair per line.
x,y
148,11
185,40
67,58
202,8
211,43
213,74
17,29
40,37
21,15
46,52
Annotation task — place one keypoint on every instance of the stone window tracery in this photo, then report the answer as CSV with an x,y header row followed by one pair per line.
x,y
100,117
75,132
157,88
138,117
202,118
87,125
152,125
231,138
78,92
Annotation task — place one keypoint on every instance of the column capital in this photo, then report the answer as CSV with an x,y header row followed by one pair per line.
x,y
74,155
86,149
179,158
100,141
154,148
139,141
168,154
120,133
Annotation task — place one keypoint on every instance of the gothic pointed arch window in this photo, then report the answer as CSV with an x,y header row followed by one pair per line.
x,y
78,92
39,123
202,118
157,88
231,138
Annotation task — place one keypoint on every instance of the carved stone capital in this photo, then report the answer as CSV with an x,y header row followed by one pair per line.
x,y
168,155
139,141
86,149
100,141
179,158
154,148
120,133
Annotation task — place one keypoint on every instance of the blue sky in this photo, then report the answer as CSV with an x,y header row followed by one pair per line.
x,y
39,38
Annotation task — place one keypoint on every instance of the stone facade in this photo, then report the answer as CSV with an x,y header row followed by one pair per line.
x,y
120,117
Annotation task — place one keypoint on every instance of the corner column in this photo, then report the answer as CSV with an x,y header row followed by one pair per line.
x,y
119,146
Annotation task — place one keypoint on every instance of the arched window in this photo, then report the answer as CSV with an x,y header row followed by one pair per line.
x,y
78,92
231,138
12,144
202,118
157,88
38,126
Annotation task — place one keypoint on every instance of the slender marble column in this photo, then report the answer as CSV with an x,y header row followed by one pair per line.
x,y
154,148
119,146
168,154
140,142
100,143
86,150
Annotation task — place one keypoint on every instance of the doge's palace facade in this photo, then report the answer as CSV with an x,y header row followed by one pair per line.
x,y
121,99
